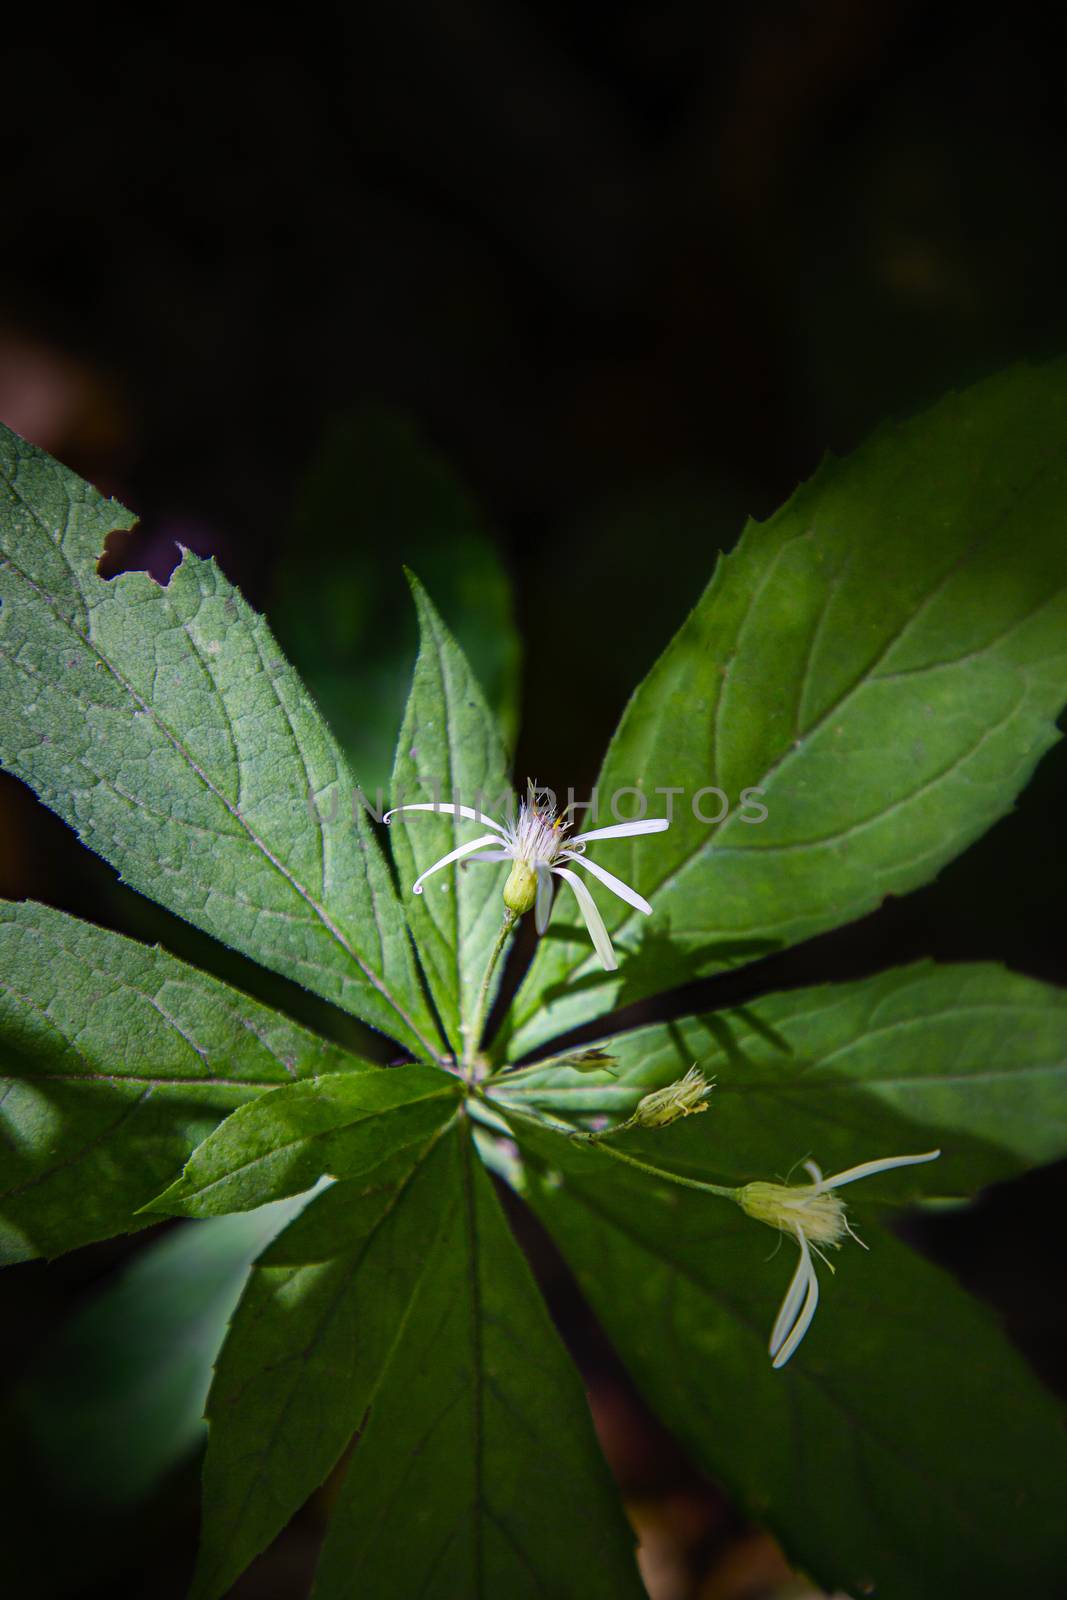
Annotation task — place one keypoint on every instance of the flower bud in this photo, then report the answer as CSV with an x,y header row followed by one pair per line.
x,y
684,1098
592,1060
520,891
819,1215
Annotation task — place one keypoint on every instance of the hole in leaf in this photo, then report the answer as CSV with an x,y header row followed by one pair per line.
x,y
155,547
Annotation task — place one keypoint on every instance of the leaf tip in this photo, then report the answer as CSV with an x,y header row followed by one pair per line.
x,y
416,585
170,1203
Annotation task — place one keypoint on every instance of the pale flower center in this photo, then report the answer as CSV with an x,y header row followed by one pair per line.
x,y
538,838
819,1216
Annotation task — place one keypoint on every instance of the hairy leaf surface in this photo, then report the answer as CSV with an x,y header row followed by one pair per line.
x,y
306,1348
340,1125
883,660
479,1439
116,1061
449,750
163,724
399,1310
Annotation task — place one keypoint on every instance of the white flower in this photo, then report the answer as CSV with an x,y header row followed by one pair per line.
x,y
816,1217
539,843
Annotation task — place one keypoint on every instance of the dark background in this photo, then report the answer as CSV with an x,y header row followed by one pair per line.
x,y
625,272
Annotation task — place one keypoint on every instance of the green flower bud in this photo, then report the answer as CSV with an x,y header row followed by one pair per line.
x,y
592,1060
520,891
685,1098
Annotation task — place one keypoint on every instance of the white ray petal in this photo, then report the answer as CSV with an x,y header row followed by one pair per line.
x,y
610,881
449,810
813,1170
803,1322
790,1304
543,903
623,830
593,920
453,855
491,855
867,1169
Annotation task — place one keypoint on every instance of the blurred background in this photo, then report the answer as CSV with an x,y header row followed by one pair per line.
x,y
543,300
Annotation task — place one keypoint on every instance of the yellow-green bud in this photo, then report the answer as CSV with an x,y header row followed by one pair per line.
x,y
520,891
591,1060
685,1098
819,1215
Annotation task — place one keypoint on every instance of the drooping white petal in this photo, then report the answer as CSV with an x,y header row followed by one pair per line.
x,y
790,1304
867,1169
813,1170
453,855
593,920
491,855
450,810
623,830
610,881
803,1322
543,903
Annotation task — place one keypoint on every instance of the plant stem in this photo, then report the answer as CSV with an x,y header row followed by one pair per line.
x,y
544,1119
476,1026
658,1172
595,1139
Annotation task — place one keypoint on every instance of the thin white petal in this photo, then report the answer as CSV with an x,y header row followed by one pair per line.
x,y
790,1304
453,855
450,810
813,1170
623,830
867,1169
593,920
610,881
491,855
543,903
803,1322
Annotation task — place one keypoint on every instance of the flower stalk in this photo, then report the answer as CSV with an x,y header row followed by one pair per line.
x,y
597,1140
476,1027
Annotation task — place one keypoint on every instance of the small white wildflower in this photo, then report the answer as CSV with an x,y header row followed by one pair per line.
x,y
816,1218
539,842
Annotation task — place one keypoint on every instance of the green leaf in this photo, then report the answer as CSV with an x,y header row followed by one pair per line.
x,y
116,1061
377,495
165,726
116,1398
883,660
308,1343
969,1058
340,1125
449,750
905,1450
401,1312
476,1472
